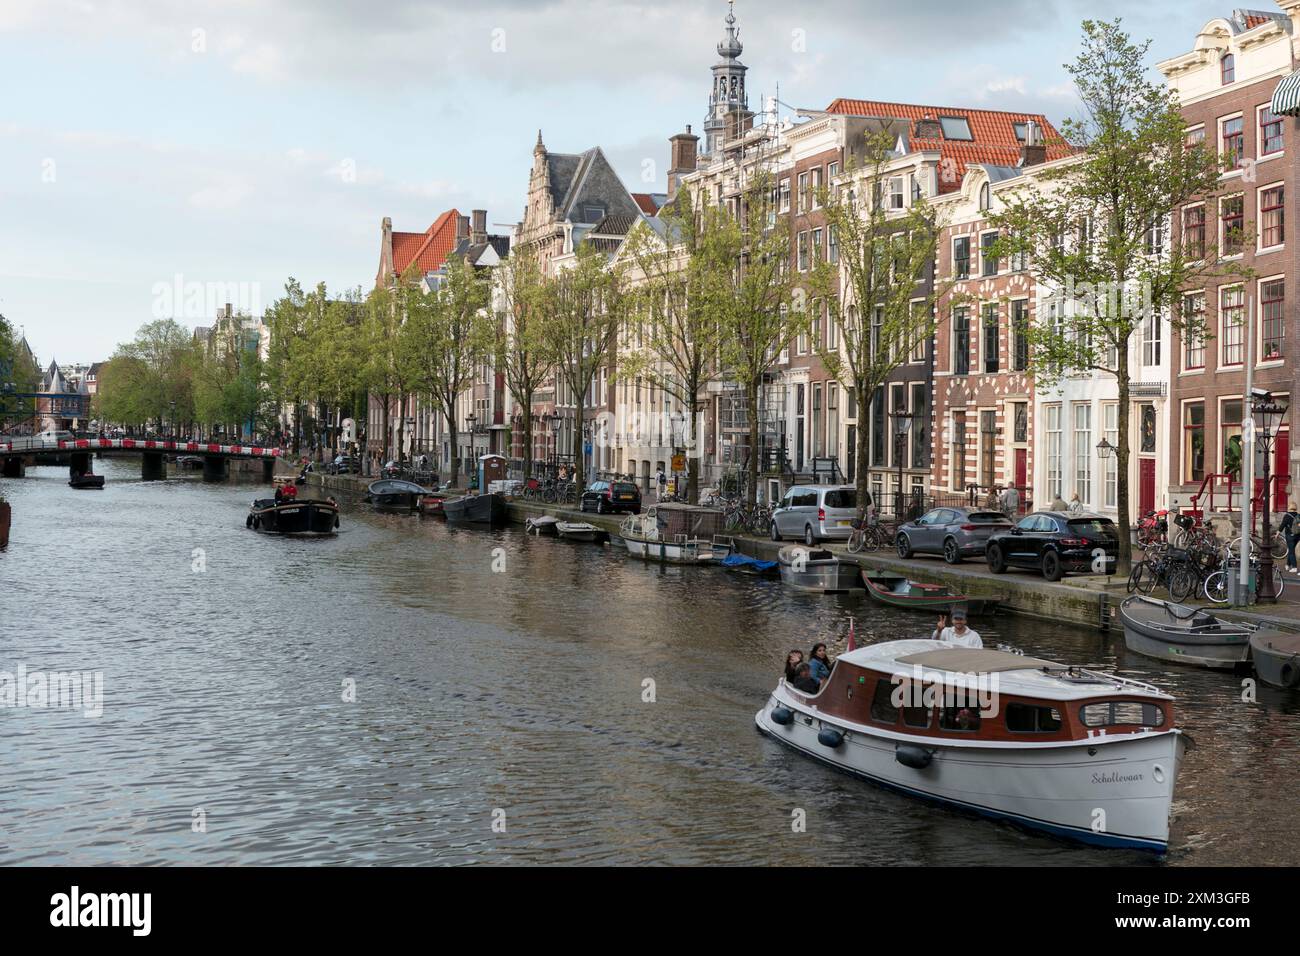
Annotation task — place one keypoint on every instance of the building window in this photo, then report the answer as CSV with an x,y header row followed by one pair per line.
x,y
1232,218
1151,333
878,429
988,447
957,478
832,246
1156,237
803,252
815,189
816,246
877,328
1195,137
961,341
1270,131
1228,69
1232,316
1229,431
1234,142
1272,325
1194,441
986,196
1272,219
919,415
955,127
1193,330
785,195
1054,449
803,193
961,257
991,338
920,325
1194,232
1110,480
1083,451
987,258
1020,335
1020,422
896,193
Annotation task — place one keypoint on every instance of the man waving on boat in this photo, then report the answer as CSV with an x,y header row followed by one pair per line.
x,y
958,632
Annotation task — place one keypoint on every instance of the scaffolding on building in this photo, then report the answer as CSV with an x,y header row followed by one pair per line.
x,y
733,429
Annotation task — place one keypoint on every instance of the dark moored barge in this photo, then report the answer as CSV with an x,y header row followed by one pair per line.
x,y
489,510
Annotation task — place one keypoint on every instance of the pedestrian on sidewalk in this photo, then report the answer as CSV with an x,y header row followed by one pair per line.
x,y
1290,531
662,479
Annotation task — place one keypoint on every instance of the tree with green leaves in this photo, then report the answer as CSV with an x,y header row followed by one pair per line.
x,y
584,312
673,335
447,333
1097,229
749,288
388,372
17,375
288,365
521,348
875,297
153,384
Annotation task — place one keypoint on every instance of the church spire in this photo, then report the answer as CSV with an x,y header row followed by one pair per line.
x,y
731,47
728,113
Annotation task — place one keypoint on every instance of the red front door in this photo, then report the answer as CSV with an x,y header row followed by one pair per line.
x,y
1022,457
1146,485
1281,468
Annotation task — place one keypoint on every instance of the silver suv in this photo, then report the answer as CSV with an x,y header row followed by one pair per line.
x,y
816,513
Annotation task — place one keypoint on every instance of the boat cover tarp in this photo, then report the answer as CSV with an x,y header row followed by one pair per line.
x,y
745,561
974,660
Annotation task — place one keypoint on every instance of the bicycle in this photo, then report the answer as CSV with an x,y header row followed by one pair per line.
x,y
1218,586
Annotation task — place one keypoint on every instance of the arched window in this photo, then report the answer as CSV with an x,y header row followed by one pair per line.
x,y
1228,69
984,196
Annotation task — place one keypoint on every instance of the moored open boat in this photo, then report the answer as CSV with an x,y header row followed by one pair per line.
x,y
394,493
580,531
293,516
1010,737
1276,655
676,534
745,564
430,505
1185,635
895,590
487,510
816,569
542,524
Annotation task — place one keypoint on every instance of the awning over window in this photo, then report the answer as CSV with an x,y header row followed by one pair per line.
x,y
1286,98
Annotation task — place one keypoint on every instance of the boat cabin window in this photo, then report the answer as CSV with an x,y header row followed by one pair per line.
x,y
966,718
882,706
1032,719
1114,713
916,716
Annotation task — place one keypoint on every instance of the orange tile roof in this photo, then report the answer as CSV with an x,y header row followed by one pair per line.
x,y
1255,19
646,202
427,250
994,142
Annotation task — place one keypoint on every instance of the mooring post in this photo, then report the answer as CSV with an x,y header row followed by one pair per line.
x,y
14,467
153,466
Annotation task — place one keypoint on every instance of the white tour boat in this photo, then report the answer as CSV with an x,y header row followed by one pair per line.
x,y
1073,752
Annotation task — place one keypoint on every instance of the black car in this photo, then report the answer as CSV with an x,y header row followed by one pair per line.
x,y
611,496
1055,542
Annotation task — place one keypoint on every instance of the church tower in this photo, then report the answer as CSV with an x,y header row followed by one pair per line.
x,y
729,112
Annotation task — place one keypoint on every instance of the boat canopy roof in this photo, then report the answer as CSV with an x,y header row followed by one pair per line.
x,y
1017,674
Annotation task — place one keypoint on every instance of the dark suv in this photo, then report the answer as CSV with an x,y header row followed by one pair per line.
x,y
611,496
1055,542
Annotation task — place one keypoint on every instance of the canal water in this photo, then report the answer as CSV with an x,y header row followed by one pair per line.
x,y
499,713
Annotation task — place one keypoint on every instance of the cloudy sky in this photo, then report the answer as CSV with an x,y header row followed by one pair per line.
x,y
157,153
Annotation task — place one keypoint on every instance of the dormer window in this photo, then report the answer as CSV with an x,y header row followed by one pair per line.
x,y
1228,69
1021,130
956,128
985,193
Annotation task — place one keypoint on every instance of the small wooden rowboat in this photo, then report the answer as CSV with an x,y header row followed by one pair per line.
x,y
1184,634
898,591
580,531
542,524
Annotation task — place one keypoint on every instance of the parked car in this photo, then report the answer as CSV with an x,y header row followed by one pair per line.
x,y
611,496
955,533
817,513
1055,542
342,465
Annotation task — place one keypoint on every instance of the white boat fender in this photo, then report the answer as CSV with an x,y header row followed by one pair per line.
x,y
910,755
782,715
829,737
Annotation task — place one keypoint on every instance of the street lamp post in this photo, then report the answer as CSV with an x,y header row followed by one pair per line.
x,y
555,422
470,421
902,427
1267,415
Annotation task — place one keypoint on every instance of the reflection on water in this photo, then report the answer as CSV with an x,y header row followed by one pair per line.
x,y
478,691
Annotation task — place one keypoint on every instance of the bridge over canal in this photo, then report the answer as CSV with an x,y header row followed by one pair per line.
x,y
17,453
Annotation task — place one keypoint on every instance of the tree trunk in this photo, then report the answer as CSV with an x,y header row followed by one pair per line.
x,y
693,459
1123,565
860,456
386,456
528,439
401,423
751,493
579,463
454,445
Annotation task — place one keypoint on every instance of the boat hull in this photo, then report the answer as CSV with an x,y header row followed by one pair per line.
x,y
304,517
670,552
87,481
941,600
1058,789
486,510
1221,648
826,576
1277,658
578,532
